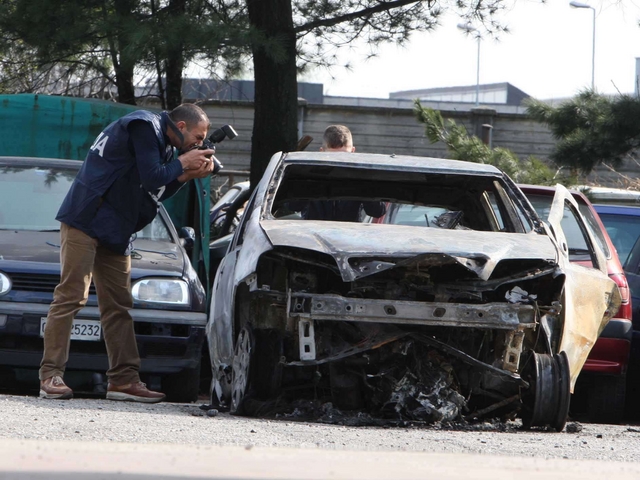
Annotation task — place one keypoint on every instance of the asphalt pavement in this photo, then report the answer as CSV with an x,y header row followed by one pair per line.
x,y
68,460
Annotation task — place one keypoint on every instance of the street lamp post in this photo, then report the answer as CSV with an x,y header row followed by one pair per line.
x,y
470,28
593,48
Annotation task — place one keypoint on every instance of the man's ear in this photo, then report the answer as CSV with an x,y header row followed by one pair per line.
x,y
321,149
353,149
181,124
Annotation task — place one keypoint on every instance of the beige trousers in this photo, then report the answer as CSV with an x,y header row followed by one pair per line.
x,y
81,258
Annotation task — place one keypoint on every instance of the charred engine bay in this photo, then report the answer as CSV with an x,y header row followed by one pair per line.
x,y
401,383
373,373
425,278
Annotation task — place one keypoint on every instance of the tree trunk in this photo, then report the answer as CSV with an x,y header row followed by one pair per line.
x,y
275,121
124,84
175,60
126,57
174,68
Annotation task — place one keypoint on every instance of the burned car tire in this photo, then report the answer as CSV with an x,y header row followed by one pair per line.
x,y
241,369
257,372
548,402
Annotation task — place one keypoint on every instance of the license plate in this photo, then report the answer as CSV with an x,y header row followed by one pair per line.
x,y
89,330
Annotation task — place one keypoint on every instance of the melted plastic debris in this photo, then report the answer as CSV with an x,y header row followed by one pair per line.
x,y
414,386
518,295
437,402
315,411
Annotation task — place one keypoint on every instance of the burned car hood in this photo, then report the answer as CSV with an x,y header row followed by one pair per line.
x,y
42,248
476,251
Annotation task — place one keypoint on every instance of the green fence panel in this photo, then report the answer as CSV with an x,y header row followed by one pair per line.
x,y
53,126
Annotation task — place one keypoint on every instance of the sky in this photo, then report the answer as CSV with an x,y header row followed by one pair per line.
x,y
547,54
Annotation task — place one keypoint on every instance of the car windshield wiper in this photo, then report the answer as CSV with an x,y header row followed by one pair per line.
x,y
52,230
135,253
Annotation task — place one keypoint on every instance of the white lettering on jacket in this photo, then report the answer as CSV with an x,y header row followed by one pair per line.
x,y
100,143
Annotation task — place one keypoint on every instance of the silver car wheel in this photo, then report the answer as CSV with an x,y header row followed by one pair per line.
x,y
240,369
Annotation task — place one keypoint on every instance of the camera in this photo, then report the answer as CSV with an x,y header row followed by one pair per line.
x,y
218,135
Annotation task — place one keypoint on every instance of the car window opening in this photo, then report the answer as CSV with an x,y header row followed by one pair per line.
x,y
445,201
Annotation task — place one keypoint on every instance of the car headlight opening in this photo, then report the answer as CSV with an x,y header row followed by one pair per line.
x,y
168,291
5,283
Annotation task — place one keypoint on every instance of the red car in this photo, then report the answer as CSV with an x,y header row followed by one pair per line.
x,y
602,381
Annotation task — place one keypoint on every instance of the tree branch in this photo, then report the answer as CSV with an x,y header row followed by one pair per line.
x,y
329,22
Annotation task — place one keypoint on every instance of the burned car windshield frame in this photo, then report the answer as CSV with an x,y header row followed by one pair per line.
x,y
479,202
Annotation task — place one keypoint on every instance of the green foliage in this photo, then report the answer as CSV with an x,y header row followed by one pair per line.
x,y
470,148
591,129
325,27
121,40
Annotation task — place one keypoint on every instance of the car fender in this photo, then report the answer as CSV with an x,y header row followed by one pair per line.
x,y
590,297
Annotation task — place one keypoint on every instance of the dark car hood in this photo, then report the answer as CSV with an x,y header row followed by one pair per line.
x,y
28,246
477,251
43,248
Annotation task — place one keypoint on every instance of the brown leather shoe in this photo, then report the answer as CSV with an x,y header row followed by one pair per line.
x,y
55,388
133,392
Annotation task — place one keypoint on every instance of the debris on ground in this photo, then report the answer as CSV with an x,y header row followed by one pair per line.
x,y
573,427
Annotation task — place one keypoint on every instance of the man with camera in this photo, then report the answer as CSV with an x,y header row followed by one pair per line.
x,y
128,169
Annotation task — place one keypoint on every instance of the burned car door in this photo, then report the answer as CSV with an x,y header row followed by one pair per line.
x,y
220,325
590,298
235,271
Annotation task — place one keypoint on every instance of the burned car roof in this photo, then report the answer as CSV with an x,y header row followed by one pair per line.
x,y
390,162
413,288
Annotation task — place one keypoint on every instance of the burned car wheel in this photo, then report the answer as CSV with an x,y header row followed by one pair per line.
x,y
548,402
257,371
241,369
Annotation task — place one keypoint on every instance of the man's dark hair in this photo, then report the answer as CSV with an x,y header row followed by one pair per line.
x,y
189,113
337,136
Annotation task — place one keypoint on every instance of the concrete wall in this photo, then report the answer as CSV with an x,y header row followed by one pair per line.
x,y
380,130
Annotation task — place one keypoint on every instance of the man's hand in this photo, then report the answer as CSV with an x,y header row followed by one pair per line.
x,y
205,169
195,159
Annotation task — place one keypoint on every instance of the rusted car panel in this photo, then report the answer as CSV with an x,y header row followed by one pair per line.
x,y
458,303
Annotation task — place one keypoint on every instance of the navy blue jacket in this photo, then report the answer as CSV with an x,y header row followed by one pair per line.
x,y
110,199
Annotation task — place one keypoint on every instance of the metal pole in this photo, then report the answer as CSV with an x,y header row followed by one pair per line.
x,y
593,52
478,75
576,4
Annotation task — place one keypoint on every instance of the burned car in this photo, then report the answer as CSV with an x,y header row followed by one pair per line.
x,y
458,303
